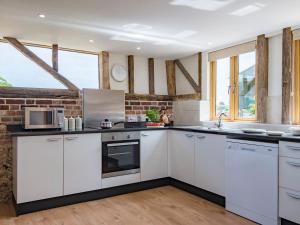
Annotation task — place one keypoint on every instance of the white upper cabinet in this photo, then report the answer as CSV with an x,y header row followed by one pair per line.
x,y
82,163
182,156
210,162
38,165
154,155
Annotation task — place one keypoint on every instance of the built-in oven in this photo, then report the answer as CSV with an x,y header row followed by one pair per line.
x,y
120,153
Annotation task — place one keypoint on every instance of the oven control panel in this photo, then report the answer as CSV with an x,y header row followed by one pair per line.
x,y
120,136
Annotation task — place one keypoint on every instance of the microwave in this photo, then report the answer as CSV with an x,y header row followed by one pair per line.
x,y
43,118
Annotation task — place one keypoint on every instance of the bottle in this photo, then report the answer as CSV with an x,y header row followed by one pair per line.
x,y
66,124
78,123
71,124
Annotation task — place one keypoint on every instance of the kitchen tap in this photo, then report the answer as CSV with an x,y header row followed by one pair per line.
x,y
219,123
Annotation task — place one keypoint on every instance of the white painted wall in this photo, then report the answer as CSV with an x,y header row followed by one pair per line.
x,y
191,65
141,79
122,60
160,77
275,78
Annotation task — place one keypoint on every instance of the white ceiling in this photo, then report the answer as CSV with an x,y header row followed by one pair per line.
x,y
172,28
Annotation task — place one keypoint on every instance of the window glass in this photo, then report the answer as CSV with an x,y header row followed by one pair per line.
x,y
246,85
81,69
222,86
17,70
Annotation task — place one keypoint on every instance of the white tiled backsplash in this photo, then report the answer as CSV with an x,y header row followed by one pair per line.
x,y
190,112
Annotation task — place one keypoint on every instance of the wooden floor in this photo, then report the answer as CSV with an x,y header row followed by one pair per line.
x,y
165,205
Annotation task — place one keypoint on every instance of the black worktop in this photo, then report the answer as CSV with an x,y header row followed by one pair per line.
x,y
18,131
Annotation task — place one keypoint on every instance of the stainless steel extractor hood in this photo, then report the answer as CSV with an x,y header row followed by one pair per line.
x,y
103,104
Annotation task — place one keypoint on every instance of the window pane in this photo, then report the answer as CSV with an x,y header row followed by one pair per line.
x,y
246,79
222,86
81,69
17,70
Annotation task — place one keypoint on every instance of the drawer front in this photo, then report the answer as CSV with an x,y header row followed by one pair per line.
x,y
289,205
289,173
289,149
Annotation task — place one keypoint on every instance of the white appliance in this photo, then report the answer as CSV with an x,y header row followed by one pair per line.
x,y
252,180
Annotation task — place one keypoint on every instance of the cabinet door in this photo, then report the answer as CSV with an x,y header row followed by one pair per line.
x,y
154,155
210,162
39,167
82,163
182,155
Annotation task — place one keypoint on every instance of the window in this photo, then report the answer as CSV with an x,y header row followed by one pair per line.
x,y
80,68
233,87
17,70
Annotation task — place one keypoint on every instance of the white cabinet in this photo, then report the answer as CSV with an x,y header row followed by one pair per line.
x,y
182,155
289,185
154,155
210,162
38,167
82,163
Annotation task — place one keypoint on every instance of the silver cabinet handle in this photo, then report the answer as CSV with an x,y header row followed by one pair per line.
x,y
293,195
71,138
189,135
248,149
145,135
53,139
293,164
201,137
293,148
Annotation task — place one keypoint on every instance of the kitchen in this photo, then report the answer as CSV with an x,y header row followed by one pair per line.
x,y
111,116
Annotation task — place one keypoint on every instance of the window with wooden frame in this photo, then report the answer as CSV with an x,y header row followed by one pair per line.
x,y
232,86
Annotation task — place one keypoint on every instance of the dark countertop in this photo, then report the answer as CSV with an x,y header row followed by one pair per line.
x,y
17,131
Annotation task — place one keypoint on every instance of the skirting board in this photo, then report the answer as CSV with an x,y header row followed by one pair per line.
x,y
35,206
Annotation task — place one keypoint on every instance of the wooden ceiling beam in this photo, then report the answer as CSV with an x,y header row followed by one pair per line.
x,y
262,62
287,57
151,76
200,72
105,70
131,74
37,60
55,57
171,79
187,76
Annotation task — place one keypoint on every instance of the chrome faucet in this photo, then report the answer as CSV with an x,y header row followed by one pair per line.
x,y
219,123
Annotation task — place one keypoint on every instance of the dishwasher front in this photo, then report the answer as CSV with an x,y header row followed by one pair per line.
x,y
252,180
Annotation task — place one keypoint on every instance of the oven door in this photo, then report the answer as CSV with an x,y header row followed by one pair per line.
x,y
120,158
40,118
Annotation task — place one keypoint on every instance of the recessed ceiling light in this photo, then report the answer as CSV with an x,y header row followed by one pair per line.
x,y
138,48
136,27
91,41
208,5
42,16
124,38
248,9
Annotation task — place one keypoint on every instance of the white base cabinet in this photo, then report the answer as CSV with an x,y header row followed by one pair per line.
x,y
210,162
289,184
82,163
38,167
154,155
182,156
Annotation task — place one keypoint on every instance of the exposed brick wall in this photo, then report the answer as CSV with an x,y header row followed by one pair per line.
x,y
139,107
11,112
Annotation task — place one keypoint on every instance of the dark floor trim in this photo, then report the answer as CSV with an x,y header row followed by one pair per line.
x,y
212,197
287,222
30,207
